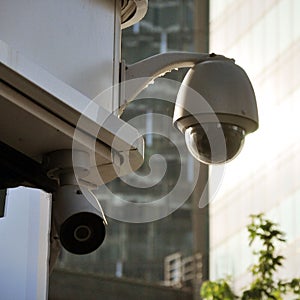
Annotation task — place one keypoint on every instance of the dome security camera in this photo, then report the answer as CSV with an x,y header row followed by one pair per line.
x,y
77,219
215,109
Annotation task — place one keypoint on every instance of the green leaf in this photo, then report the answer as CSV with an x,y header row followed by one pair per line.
x,y
264,286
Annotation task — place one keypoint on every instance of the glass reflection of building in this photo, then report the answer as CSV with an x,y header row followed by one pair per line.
x,y
264,38
138,250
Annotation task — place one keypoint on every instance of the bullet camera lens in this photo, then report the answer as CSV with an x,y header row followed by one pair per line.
x,y
82,233
214,143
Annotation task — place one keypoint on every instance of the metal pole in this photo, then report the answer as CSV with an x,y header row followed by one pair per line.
x,y
200,221
200,217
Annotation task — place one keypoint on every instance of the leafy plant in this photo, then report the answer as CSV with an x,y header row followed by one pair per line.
x,y
264,285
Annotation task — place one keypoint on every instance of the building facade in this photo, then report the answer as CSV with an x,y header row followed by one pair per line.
x,y
263,36
138,251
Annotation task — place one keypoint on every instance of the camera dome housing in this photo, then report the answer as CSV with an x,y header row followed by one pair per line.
x,y
215,109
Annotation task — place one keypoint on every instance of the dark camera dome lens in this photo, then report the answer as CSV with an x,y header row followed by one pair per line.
x,y
214,143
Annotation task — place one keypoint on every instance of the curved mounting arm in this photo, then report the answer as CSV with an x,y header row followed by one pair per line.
x,y
150,68
159,64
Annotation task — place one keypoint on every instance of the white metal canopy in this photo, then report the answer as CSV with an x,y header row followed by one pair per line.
x,y
39,114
